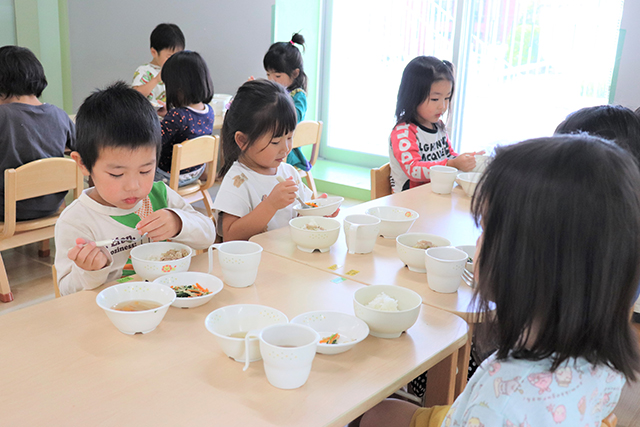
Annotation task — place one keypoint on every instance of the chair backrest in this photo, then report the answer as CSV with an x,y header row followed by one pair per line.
x,y
380,184
35,179
203,149
308,133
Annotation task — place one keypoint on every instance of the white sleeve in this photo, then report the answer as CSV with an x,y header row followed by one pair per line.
x,y
197,231
231,199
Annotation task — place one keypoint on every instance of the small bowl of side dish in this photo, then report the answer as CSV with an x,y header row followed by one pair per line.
x,y
411,247
310,232
188,297
146,259
394,221
136,307
339,332
325,206
468,181
230,325
387,320
470,250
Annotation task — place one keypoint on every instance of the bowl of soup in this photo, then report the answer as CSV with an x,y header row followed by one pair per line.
x,y
152,260
136,307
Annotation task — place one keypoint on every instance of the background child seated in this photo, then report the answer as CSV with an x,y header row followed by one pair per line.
x,y
118,144
29,129
189,91
166,39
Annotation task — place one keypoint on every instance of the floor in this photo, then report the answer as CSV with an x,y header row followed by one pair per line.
x,y
30,278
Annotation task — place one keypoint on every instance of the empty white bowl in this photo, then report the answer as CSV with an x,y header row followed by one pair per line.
x,y
326,206
468,181
387,324
239,319
326,323
151,270
481,163
207,281
135,322
412,256
309,240
393,221
470,250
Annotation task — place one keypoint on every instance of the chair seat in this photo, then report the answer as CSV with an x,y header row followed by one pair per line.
x,y
190,188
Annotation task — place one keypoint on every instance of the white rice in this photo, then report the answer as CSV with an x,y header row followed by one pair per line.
x,y
384,302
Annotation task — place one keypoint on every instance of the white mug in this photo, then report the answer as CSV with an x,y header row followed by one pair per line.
x,y
239,261
361,232
442,178
288,350
444,268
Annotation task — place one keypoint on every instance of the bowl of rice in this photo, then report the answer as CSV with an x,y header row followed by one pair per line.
x,y
388,310
156,259
311,233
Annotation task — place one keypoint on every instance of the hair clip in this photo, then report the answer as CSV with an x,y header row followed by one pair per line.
x,y
291,41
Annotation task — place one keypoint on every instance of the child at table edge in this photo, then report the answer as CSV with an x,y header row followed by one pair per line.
x,y
118,143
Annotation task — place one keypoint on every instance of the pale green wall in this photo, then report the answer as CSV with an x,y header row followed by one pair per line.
x,y
7,23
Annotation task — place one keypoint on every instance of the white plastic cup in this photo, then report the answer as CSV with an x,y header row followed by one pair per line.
x,y
442,178
288,351
361,232
444,268
239,261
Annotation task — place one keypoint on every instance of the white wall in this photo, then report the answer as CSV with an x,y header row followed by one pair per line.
x,y
110,39
628,83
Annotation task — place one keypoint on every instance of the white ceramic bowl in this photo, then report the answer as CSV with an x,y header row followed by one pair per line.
x,y
481,163
207,281
326,206
471,251
310,240
393,221
151,270
326,323
387,324
134,322
468,181
414,257
219,103
233,319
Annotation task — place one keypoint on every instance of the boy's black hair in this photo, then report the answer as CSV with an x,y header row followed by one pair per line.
x,y
415,86
259,108
613,122
20,73
119,117
285,57
187,80
560,250
167,36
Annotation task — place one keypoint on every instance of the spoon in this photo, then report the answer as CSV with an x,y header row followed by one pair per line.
x,y
110,241
302,203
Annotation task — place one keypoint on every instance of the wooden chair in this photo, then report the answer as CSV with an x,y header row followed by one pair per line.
x,y
309,133
610,421
203,149
37,178
380,184
56,288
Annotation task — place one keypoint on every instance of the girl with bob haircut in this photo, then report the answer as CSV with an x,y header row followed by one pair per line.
x,y
419,140
558,256
189,91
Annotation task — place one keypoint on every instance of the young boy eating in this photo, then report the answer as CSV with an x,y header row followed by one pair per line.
x,y
118,143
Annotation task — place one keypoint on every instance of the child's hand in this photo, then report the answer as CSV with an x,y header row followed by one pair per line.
x,y
282,194
251,78
161,225
87,256
333,215
464,162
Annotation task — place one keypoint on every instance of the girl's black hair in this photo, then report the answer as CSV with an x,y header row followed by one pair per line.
x,y
20,73
167,36
285,57
613,122
417,78
260,107
187,80
560,250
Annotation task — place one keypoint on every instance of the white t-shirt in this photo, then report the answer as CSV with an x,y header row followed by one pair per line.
x,y
242,189
143,75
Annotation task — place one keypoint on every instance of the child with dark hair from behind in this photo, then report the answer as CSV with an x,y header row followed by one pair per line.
x,y
117,146
29,129
165,40
558,256
189,91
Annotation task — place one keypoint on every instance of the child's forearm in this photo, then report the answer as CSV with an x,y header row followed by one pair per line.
x,y
255,222
146,88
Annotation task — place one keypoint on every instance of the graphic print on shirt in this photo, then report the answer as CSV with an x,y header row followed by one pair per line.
x,y
559,413
506,387
542,381
238,180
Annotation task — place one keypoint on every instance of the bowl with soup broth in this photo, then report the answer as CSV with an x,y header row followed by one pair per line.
x,y
136,307
155,259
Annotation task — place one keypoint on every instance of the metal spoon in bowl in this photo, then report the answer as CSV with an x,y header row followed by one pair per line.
x,y
303,205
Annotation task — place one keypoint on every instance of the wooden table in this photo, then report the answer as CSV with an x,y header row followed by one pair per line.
x,y
66,364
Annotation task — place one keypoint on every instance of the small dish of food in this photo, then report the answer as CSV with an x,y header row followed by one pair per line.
x,y
319,207
468,181
394,221
155,259
311,233
192,289
411,247
339,332
388,310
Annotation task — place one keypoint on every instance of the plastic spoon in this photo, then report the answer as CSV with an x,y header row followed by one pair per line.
x,y
302,204
110,241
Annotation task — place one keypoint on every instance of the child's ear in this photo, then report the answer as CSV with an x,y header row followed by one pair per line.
x,y
154,53
241,140
76,157
295,73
